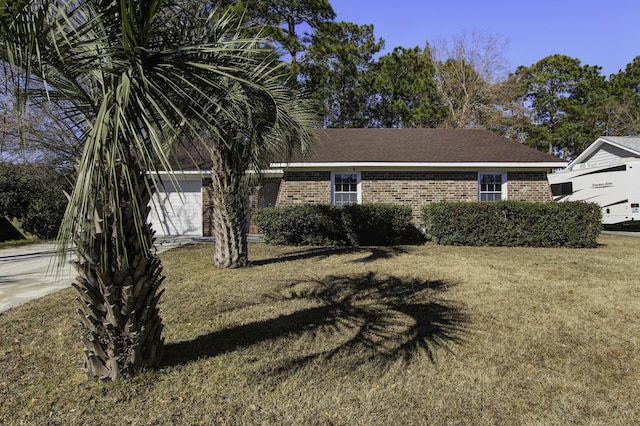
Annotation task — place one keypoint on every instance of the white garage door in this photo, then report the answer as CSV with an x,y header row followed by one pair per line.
x,y
175,213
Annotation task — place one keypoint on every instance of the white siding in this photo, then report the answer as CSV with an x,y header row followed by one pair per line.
x,y
175,213
608,154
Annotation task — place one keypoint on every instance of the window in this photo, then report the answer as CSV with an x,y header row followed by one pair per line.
x,y
346,188
268,194
564,188
492,186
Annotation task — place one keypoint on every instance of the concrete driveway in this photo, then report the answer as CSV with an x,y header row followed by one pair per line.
x,y
29,272
631,233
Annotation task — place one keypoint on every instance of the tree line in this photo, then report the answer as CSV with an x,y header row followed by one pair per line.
x,y
557,105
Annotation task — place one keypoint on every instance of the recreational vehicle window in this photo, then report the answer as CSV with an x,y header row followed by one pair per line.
x,y
564,188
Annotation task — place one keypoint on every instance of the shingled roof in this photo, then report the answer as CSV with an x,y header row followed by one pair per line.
x,y
394,146
419,146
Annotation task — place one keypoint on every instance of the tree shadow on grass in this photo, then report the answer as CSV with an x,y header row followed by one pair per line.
x,y
387,318
372,253
302,254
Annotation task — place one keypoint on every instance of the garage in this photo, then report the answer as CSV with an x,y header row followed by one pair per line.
x,y
177,208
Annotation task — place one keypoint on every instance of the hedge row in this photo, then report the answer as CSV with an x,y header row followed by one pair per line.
x,y
504,223
513,223
351,225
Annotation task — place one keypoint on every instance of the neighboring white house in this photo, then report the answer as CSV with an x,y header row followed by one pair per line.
x,y
608,174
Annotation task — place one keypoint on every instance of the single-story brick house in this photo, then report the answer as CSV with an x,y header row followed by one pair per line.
x,y
404,166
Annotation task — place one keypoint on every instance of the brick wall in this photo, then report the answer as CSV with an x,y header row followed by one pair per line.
x,y
295,188
207,208
254,196
418,188
529,186
409,188
305,187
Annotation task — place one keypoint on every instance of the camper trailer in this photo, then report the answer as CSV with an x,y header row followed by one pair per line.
x,y
615,186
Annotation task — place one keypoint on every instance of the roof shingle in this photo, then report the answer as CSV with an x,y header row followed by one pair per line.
x,y
396,146
419,146
630,142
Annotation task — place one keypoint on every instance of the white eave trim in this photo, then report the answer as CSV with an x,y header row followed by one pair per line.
x,y
277,169
188,174
195,174
278,172
405,165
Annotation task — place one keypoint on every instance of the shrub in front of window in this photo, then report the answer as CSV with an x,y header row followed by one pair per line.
x,y
376,224
352,225
514,223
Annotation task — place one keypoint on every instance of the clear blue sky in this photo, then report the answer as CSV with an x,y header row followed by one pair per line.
x,y
604,33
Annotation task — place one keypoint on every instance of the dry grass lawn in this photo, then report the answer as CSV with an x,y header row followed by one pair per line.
x,y
371,336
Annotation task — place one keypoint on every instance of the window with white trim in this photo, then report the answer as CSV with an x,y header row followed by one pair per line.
x,y
345,188
492,186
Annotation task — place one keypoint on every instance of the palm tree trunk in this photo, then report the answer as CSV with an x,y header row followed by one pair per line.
x,y
229,211
118,277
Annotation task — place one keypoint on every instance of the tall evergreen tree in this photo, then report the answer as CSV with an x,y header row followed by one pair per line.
x,y
333,72
286,17
403,90
623,107
565,99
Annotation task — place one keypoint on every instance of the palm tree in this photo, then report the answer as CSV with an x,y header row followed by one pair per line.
x,y
277,122
132,75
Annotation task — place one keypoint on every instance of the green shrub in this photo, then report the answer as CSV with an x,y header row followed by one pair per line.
x,y
513,223
45,214
34,195
376,224
300,224
352,225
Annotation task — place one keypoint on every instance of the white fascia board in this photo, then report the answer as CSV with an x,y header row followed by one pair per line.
x,y
269,172
195,174
182,174
419,166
